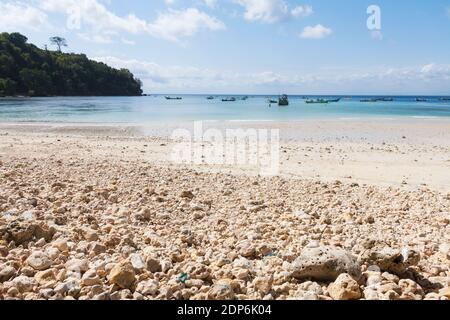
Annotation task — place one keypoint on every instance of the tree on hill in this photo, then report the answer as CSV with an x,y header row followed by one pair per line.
x,y
59,42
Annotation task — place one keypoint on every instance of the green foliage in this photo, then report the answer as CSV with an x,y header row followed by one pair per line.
x,y
27,70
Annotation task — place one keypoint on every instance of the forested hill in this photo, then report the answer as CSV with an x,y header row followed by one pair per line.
x,y
27,70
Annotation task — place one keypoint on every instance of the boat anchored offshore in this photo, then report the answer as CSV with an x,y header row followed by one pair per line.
x,y
210,98
283,101
232,99
173,98
317,101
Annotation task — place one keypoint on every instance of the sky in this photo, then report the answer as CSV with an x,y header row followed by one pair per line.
x,y
253,46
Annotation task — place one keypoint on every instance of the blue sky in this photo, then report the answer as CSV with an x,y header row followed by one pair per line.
x,y
253,46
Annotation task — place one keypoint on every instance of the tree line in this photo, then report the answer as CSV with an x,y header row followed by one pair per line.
x,y
28,70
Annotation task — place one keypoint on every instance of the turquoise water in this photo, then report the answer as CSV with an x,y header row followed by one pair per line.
x,y
196,107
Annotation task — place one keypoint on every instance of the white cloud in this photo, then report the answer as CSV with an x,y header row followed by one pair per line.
x,y
210,3
175,24
302,11
102,24
158,78
16,16
316,32
268,11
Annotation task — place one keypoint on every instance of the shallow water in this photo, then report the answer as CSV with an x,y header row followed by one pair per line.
x,y
197,107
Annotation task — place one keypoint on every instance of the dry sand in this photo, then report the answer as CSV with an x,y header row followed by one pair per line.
x,y
360,210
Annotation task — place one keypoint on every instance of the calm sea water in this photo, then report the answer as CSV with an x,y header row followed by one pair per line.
x,y
196,107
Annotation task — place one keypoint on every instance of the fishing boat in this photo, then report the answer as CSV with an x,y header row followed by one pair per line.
x,y
368,100
421,100
317,101
232,99
283,101
173,98
210,98
334,100
386,99
244,98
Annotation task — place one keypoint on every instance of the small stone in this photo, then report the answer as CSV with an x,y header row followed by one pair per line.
x,y
97,248
90,235
148,288
122,275
45,278
263,285
344,288
445,292
153,265
221,290
38,260
77,265
137,262
6,273
23,284
187,194
61,245
90,278
144,215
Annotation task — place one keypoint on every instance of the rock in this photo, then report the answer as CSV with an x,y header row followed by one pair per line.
x,y
302,295
90,235
246,249
61,245
137,262
148,288
221,290
370,294
394,261
310,286
445,292
97,248
325,264
77,265
144,215
45,278
24,232
38,260
344,288
153,264
187,194
445,250
263,285
90,278
122,275
6,273
23,284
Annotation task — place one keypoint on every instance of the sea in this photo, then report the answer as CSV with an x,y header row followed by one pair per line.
x,y
156,108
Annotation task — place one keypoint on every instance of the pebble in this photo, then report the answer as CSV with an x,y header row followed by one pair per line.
x,y
122,275
344,288
38,260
